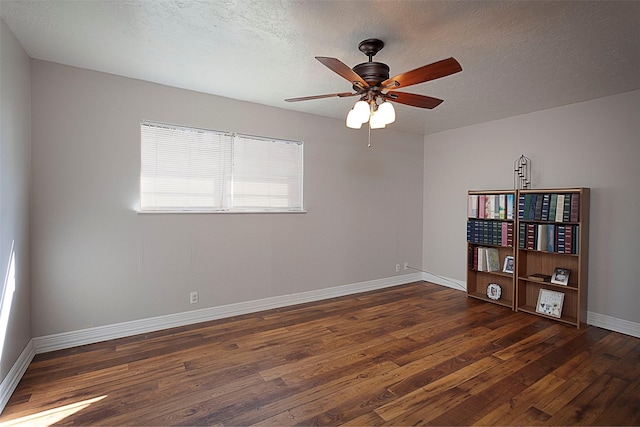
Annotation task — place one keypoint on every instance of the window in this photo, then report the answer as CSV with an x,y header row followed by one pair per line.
x,y
198,170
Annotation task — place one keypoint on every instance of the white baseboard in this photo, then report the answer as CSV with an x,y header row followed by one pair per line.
x,y
458,285
15,374
64,340
595,319
614,324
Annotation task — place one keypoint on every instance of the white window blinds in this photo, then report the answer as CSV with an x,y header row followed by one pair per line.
x,y
194,170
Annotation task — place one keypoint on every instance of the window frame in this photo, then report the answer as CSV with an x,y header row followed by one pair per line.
x,y
296,173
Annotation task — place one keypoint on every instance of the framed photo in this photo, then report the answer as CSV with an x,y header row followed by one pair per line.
x,y
494,291
508,265
550,303
560,276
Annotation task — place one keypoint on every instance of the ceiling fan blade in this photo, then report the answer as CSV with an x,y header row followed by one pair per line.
x,y
329,95
423,74
343,70
413,99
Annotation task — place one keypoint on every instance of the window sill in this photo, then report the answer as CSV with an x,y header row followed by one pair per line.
x,y
173,212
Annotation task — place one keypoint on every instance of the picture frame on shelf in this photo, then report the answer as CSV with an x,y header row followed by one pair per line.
x,y
494,291
561,276
550,303
508,265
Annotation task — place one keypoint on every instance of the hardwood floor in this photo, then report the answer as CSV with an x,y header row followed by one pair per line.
x,y
416,354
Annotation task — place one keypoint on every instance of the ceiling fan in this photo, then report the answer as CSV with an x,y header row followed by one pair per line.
x,y
371,82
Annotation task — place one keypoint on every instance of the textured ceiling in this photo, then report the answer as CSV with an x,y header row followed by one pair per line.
x,y
517,57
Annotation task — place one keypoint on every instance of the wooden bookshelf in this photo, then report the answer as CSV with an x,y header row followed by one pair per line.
x,y
549,241
491,228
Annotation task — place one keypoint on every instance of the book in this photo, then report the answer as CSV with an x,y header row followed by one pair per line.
x,y
546,200
485,231
541,242
566,212
575,207
537,213
475,258
539,277
553,202
560,238
522,235
489,206
559,207
521,206
494,233
550,303
493,259
530,237
504,234
472,206
481,259
481,204
551,238
527,206
532,206
568,239
510,201
510,234
502,206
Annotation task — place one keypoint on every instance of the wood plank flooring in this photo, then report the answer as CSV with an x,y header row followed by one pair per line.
x,y
417,354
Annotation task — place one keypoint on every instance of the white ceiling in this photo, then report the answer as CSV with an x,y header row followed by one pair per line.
x,y
517,57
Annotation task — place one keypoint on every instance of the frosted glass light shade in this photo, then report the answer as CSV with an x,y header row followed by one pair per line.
x,y
387,113
376,121
362,111
353,121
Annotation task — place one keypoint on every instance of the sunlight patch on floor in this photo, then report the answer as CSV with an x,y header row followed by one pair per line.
x,y
51,416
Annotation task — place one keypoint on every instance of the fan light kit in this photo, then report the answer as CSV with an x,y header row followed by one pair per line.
x,y
371,82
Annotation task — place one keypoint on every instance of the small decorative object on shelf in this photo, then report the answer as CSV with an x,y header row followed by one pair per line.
x,y
560,276
522,173
550,303
508,265
539,277
494,291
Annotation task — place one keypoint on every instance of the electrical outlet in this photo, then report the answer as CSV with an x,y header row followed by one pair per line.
x,y
193,297
397,268
406,265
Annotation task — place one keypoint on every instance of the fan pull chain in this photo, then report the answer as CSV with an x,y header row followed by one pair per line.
x,y
369,136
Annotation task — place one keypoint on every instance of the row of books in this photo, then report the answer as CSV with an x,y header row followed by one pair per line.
x,y
499,233
484,259
549,237
554,207
491,206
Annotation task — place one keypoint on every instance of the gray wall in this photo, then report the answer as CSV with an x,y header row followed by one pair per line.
x,y
15,170
592,144
96,262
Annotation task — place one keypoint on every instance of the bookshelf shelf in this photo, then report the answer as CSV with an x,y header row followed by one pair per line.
x,y
553,232
570,287
496,273
484,297
565,319
491,237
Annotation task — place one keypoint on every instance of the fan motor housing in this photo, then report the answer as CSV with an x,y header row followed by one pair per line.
x,y
373,73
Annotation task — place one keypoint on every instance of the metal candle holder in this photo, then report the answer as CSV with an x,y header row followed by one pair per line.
x,y
522,173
